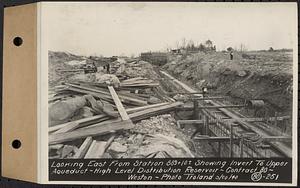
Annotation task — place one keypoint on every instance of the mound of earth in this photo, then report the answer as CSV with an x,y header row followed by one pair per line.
x,y
252,75
60,61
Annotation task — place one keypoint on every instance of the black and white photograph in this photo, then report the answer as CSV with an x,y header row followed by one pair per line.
x,y
171,80
178,85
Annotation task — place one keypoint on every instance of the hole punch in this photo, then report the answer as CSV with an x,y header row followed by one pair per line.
x,y
16,144
18,41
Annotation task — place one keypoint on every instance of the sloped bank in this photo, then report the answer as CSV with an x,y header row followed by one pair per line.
x,y
268,76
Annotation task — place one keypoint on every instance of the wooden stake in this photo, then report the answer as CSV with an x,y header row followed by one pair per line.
x,y
231,140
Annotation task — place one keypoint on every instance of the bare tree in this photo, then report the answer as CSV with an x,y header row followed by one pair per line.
x,y
208,43
243,47
183,43
229,49
177,44
190,45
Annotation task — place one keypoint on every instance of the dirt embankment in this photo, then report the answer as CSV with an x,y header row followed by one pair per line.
x,y
58,61
252,75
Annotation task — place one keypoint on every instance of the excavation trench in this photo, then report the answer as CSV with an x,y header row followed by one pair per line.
x,y
217,148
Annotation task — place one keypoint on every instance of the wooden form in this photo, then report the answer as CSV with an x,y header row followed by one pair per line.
x,y
276,146
280,147
212,121
227,139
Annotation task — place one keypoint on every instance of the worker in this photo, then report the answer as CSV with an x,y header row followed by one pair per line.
x,y
107,69
231,55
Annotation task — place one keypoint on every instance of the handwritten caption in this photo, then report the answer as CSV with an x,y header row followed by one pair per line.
x,y
234,170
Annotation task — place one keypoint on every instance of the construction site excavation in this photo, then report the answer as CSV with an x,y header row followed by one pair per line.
x,y
189,102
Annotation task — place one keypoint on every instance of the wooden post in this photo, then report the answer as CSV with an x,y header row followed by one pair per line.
x,y
242,147
205,124
231,140
196,109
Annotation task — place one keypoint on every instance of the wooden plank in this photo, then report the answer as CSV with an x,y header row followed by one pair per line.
x,y
184,93
134,79
83,148
56,146
100,118
144,114
186,108
140,85
183,85
206,98
81,122
96,150
225,106
93,131
131,110
118,103
96,92
109,141
213,138
69,127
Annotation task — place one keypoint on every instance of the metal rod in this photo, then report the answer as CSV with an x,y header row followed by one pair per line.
x,y
242,147
206,124
196,110
231,140
219,149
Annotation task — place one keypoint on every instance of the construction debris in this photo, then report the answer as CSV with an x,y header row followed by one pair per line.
x,y
100,115
128,110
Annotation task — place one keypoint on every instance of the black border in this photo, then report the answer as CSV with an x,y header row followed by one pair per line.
x,y
10,183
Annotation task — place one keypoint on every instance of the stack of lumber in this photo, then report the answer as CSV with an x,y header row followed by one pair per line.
x,y
104,94
90,137
138,82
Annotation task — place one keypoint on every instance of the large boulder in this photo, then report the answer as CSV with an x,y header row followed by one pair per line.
x,y
62,111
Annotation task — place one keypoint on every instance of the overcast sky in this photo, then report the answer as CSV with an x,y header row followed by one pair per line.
x,y
130,28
